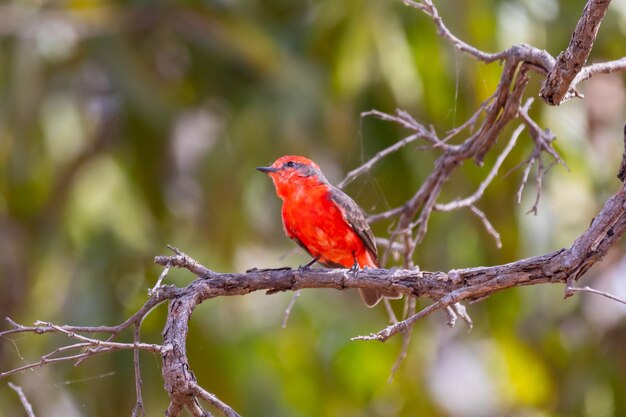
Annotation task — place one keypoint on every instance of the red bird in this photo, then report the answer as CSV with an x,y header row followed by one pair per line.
x,y
322,219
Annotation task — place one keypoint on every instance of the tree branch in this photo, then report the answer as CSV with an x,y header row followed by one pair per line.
x,y
600,68
25,403
558,84
594,291
445,289
469,201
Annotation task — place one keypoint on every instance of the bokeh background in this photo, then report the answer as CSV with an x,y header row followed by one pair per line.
x,y
129,125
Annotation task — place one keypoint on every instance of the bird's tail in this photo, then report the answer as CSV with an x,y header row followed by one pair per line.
x,y
369,296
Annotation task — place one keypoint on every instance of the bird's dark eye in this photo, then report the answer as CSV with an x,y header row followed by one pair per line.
x,y
290,164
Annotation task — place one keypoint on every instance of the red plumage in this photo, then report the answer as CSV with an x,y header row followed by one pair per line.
x,y
314,220
322,219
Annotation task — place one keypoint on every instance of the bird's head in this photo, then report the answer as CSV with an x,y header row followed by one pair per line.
x,y
292,172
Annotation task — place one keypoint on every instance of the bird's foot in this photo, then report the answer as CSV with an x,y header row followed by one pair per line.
x,y
308,266
354,269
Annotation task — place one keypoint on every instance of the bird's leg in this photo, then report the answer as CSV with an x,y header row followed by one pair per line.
x,y
308,266
355,267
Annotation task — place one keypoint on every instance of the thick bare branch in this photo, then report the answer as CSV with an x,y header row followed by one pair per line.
x,y
502,108
451,287
558,84
446,289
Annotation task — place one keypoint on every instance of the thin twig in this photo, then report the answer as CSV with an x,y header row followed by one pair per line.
x,y
93,347
214,401
352,175
597,292
165,293
20,393
197,411
600,68
529,165
152,291
410,305
405,120
543,138
469,201
43,362
452,316
461,311
138,410
385,215
389,309
289,307
150,347
488,226
445,301
383,242
404,351
539,184
427,7
406,324
469,123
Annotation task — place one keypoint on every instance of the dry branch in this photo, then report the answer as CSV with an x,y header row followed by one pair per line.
x,y
447,288
483,129
558,84
25,403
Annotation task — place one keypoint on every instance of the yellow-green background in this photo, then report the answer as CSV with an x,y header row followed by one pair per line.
x,y
129,125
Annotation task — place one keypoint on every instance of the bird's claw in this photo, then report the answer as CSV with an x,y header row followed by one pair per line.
x,y
306,267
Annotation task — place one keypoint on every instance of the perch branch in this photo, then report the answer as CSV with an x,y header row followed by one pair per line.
x,y
446,289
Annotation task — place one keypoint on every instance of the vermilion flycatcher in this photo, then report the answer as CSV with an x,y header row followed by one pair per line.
x,y
322,219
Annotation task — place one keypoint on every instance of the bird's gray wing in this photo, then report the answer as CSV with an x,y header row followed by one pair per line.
x,y
353,215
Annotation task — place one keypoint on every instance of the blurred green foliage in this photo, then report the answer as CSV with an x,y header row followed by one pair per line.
x,y
129,125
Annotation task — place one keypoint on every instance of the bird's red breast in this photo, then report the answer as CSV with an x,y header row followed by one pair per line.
x,y
322,219
313,218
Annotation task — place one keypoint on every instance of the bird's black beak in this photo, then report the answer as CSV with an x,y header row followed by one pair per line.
x,y
267,170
